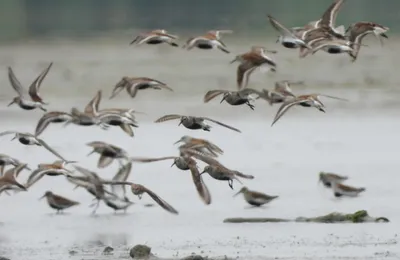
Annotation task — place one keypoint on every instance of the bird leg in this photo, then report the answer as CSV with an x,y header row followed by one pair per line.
x,y
97,206
250,105
230,182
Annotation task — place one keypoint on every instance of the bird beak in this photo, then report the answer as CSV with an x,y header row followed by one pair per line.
x,y
237,193
233,61
178,141
384,35
12,102
77,186
322,110
203,172
222,100
14,137
173,164
90,153
180,123
42,197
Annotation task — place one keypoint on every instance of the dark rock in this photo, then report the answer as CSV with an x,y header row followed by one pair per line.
x,y
194,257
140,252
3,258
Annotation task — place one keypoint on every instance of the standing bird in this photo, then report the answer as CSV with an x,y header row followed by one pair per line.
x,y
58,202
8,180
34,100
29,139
194,122
234,98
133,85
311,100
249,62
255,198
211,40
328,178
155,37
287,38
340,190
359,30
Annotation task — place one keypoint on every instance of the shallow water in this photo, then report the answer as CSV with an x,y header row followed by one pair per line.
x,y
357,138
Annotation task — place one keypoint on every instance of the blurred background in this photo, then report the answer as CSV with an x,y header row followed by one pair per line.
x,y
22,19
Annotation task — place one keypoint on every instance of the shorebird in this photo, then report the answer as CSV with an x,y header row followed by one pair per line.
x,y
133,85
56,168
359,30
281,91
108,153
340,190
201,145
194,122
184,163
30,139
117,203
34,100
8,180
334,47
138,189
250,61
155,37
8,160
328,178
218,171
58,202
211,40
311,100
287,37
255,198
51,117
234,98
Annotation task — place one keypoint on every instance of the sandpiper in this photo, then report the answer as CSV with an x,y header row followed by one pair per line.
x,y
255,198
138,189
194,122
281,91
211,40
133,85
250,61
327,178
287,38
108,153
311,100
200,145
34,100
155,37
58,202
334,47
56,168
234,98
8,160
8,179
218,171
185,163
30,139
117,203
359,30
340,190
51,117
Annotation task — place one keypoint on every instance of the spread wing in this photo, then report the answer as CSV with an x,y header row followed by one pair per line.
x,y
211,94
16,85
34,87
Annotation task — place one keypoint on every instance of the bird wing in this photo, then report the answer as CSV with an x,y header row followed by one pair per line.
x,y
35,176
201,188
279,27
122,175
211,94
285,107
8,132
167,117
45,145
127,129
333,97
104,161
16,85
93,106
34,87
160,201
221,124
147,160
329,17
244,71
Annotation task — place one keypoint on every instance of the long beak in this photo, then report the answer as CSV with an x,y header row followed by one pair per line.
x,y
77,186
233,61
173,164
12,102
180,123
222,100
178,141
202,172
14,137
384,35
90,153
237,193
42,197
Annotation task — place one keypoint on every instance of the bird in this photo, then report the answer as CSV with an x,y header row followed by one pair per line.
x,y
194,122
56,168
58,202
8,160
138,189
218,171
311,100
328,178
334,47
287,37
30,139
117,204
184,163
281,91
200,145
51,117
8,179
255,198
359,30
122,175
108,153
340,190
235,98
134,84
34,101
211,40
249,62
155,37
